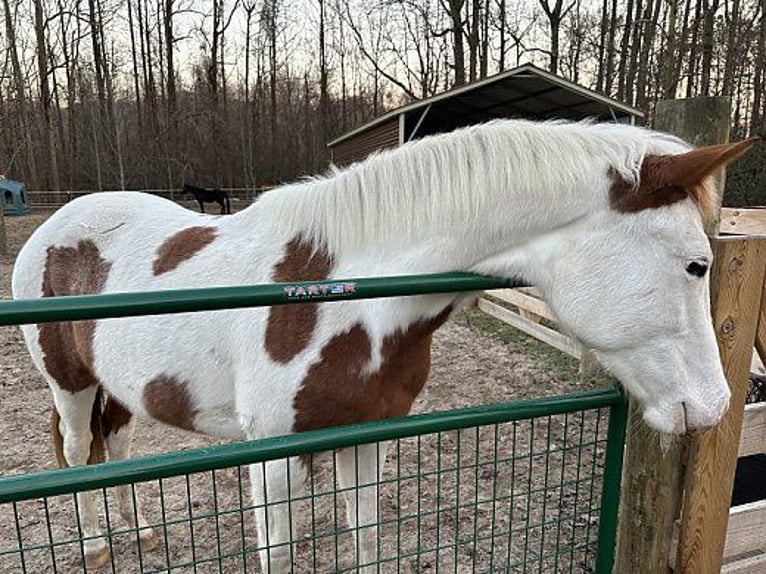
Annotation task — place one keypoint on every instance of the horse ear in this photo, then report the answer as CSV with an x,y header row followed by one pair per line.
x,y
691,168
667,179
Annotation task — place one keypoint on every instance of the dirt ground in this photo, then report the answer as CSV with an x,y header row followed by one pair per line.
x,y
522,490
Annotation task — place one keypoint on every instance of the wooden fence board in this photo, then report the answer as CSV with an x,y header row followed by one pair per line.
x,y
753,439
752,565
743,221
747,529
540,332
524,301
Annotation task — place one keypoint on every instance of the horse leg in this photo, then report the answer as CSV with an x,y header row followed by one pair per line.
x,y
201,206
119,425
274,484
73,441
223,206
359,471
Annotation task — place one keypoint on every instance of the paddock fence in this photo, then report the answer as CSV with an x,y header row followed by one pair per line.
x,y
531,486
240,197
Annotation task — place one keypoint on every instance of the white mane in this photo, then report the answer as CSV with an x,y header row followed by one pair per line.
x,y
398,194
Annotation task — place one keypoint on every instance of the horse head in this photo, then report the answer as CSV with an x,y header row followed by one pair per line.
x,y
633,284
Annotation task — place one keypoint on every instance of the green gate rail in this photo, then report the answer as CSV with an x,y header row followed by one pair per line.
x,y
110,305
16,491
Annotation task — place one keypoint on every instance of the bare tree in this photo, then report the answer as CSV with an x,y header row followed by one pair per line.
x,y
555,13
45,97
22,112
454,9
709,10
758,115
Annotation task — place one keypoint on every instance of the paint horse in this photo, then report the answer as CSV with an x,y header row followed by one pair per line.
x,y
604,218
203,196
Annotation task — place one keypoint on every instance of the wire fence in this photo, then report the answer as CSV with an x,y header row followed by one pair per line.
x,y
521,487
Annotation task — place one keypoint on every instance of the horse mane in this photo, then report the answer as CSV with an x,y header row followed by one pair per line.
x,y
393,194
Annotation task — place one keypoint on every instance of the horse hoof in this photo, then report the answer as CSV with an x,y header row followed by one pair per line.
x,y
97,559
148,540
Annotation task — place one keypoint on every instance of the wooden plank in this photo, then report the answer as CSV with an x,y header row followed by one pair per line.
x,y
743,221
760,336
524,301
736,287
752,565
747,529
745,533
540,332
753,440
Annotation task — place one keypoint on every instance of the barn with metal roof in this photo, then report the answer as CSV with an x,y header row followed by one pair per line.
x,y
524,92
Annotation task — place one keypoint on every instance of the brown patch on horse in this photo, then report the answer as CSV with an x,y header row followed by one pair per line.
x,y
338,391
97,452
167,399
290,327
665,180
114,417
68,346
182,246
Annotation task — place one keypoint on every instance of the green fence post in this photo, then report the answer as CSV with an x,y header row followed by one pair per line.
x,y
610,493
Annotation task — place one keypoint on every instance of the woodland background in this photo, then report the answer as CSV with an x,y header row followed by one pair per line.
x,y
147,94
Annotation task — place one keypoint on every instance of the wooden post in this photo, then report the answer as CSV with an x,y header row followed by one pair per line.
x,y
736,289
650,497
699,121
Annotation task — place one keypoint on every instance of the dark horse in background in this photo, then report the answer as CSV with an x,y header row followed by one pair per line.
x,y
203,196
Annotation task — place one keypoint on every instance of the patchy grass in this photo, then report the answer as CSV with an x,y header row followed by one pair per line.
x,y
567,368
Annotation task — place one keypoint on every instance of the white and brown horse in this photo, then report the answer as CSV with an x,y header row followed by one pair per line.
x,y
605,219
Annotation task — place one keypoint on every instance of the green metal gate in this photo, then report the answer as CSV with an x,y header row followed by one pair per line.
x,y
522,487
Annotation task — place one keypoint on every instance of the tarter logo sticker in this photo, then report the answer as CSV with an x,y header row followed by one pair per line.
x,y
319,290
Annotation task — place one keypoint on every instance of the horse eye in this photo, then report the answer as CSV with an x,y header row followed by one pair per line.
x,y
697,269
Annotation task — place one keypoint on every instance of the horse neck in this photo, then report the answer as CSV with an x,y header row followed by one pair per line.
x,y
450,202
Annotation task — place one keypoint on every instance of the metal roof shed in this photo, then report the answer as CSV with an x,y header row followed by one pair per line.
x,y
523,92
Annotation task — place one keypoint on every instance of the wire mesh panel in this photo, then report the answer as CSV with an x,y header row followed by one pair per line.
x,y
496,489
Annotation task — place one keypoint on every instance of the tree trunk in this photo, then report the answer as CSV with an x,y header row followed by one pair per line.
x,y
23,115
51,178
455,8
555,16
610,51
503,40
733,51
603,30
757,123
710,8
668,64
136,75
622,70
694,51
473,40
172,103
323,97
635,49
